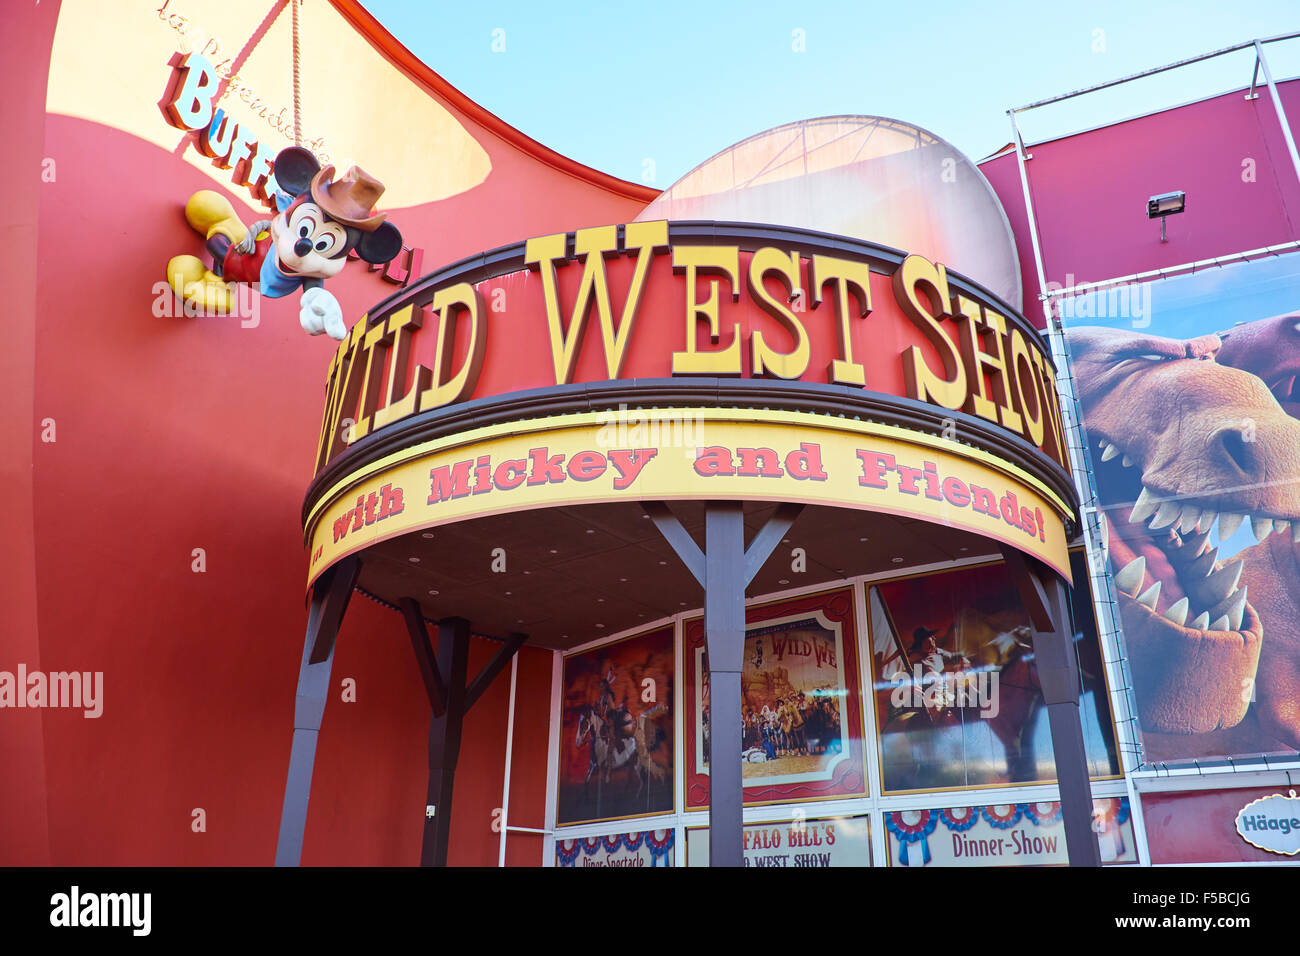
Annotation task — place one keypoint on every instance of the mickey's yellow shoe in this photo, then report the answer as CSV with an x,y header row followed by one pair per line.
x,y
210,214
199,288
183,271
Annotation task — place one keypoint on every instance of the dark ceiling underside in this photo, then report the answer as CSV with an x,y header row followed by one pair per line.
x,y
574,575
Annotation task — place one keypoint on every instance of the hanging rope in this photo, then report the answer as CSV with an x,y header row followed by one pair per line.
x,y
297,95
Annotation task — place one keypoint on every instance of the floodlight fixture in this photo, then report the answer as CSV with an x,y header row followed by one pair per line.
x,y
1166,204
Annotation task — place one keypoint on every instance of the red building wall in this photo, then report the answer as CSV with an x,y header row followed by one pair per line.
x,y
177,433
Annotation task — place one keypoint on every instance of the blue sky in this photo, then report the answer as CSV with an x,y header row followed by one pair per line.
x,y
1213,300
613,85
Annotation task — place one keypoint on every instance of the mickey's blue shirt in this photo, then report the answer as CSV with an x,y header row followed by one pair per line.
x,y
274,283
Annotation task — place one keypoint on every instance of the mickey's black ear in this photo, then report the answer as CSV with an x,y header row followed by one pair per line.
x,y
294,169
382,245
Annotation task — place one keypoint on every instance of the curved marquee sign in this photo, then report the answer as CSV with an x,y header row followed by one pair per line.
x,y
795,365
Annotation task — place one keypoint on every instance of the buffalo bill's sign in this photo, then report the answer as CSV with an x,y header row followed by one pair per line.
x,y
650,300
189,105
830,841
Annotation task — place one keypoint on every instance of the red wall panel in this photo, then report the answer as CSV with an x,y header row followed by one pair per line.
x,y
1090,190
1199,826
178,433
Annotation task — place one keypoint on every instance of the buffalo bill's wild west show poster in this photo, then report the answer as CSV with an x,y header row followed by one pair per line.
x,y
800,721
1191,410
829,841
956,690
1017,834
616,739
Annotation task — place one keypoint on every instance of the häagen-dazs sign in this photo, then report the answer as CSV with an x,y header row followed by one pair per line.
x,y
1272,823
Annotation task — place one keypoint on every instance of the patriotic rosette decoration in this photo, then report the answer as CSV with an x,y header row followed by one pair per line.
x,y
658,846
1108,818
1003,816
1043,814
909,833
960,819
567,851
1111,810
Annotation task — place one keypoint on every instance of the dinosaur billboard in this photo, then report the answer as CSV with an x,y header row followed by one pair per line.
x,y
1192,426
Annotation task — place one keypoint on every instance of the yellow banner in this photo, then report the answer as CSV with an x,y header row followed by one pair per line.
x,y
817,460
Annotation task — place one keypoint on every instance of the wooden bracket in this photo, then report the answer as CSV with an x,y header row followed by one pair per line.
x,y
425,657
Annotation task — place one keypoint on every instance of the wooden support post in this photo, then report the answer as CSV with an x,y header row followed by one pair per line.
x,y
1047,602
724,568
444,740
450,699
329,602
724,628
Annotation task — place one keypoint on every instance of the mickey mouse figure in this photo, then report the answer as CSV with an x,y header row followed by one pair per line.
x,y
320,220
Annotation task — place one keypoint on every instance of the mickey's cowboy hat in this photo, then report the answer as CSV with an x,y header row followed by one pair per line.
x,y
351,200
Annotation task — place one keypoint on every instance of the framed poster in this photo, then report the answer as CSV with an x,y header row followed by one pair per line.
x,y
1191,414
824,841
1016,834
956,688
616,730
801,720
647,848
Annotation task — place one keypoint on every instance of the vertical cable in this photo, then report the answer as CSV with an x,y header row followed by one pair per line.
x,y
297,94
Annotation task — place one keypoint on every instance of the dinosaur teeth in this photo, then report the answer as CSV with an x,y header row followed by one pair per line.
x,y
1166,514
1202,566
1178,612
1280,526
1220,625
1130,578
1233,607
1262,527
1191,515
1126,461
1150,596
1192,546
1202,621
1108,452
1295,532
1144,507
1218,585
1206,521
1228,525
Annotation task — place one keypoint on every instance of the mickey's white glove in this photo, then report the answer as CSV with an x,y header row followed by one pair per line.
x,y
320,312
